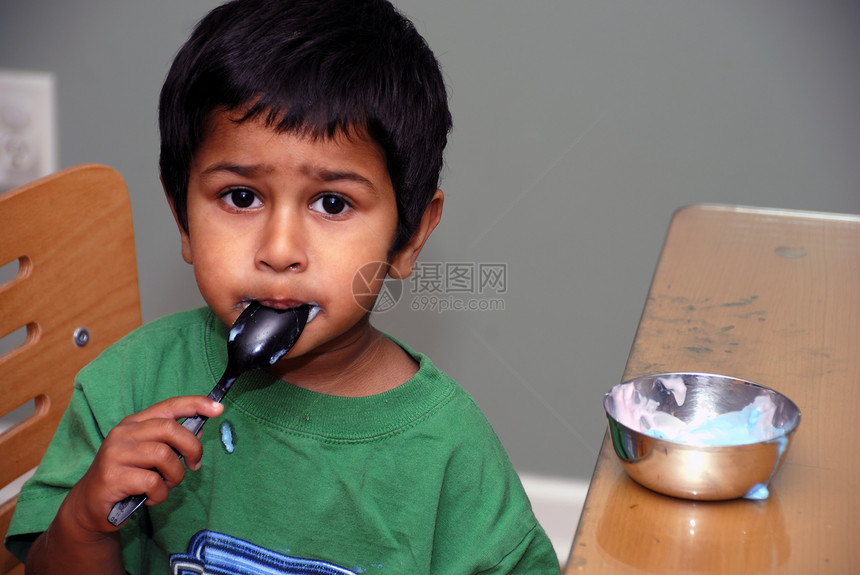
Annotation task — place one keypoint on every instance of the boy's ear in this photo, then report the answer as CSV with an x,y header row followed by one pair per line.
x,y
186,243
404,260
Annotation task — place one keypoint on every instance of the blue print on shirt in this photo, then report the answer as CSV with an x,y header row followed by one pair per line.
x,y
211,553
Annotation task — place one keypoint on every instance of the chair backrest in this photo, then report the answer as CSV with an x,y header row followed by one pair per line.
x,y
75,293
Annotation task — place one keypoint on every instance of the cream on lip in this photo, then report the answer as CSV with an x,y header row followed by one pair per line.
x,y
315,309
284,304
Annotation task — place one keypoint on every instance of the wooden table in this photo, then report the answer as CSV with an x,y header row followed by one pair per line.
x,y
771,296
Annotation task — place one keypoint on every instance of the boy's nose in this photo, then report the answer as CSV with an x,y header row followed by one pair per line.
x,y
282,245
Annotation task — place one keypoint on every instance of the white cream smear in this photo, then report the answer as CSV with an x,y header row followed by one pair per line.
x,y
315,309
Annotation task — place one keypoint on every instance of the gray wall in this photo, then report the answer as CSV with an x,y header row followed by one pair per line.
x,y
579,128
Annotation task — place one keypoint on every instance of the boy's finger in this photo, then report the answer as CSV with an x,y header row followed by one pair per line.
x,y
148,482
179,407
168,433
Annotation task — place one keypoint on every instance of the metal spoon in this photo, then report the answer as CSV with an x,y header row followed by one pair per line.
x,y
259,337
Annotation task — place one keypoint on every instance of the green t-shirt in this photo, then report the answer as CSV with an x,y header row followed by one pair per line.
x,y
413,480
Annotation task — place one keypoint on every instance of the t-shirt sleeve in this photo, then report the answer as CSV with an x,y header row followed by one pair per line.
x,y
534,555
486,524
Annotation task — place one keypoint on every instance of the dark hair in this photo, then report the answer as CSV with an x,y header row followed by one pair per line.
x,y
315,67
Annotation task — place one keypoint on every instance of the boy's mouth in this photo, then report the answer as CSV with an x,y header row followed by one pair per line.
x,y
285,304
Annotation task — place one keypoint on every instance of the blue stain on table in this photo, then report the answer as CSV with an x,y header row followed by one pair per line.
x,y
758,491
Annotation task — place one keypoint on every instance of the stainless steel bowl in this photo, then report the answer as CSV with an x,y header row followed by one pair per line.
x,y
702,472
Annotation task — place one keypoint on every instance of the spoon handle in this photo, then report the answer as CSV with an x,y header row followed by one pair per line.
x,y
195,424
124,509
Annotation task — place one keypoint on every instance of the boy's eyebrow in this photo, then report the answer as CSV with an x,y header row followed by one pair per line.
x,y
240,170
333,176
323,174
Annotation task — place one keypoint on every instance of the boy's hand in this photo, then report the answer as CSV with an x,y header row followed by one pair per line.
x,y
139,455
136,457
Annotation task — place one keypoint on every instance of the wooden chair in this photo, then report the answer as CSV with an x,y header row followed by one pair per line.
x,y
75,292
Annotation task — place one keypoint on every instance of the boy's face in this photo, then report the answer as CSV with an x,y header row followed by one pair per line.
x,y
288,220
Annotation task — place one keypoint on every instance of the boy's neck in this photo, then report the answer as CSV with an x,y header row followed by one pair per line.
x,y
368,363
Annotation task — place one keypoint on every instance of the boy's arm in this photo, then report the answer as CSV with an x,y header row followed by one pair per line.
x,y
139,455
63,549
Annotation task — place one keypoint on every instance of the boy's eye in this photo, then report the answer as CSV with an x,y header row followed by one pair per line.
x,y
242,198
330,204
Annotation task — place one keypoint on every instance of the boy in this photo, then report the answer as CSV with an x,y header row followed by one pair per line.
x,y
301,145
